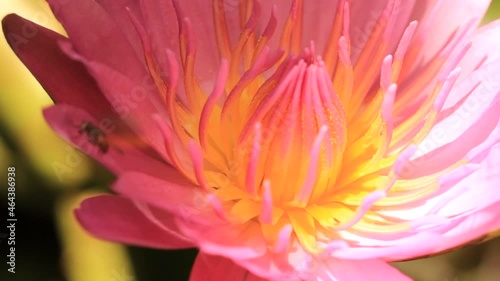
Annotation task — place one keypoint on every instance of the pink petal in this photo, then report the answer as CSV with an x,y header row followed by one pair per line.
x,y
136,103
67,81
275,266
209,268
196,218
318,21
164,35
160,22
120,157
119,219
171,192
116,10
364,19
97,37
238,242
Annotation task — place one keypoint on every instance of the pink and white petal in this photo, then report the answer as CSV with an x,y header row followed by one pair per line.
x,y
481,187
120,156
119,219
354,270
450,153
442,18
482,52
209,268
471,228
97,37
461,221
483,77
465,126
457,232
67,81
476,56
416,244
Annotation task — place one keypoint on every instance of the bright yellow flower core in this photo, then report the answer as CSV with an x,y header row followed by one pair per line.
x,y
296,142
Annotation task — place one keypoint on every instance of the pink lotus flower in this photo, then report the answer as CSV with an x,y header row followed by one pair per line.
x,y
287,140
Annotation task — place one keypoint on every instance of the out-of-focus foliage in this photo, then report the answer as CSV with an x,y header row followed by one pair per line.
x,y
84,257
50,175
21,101
493,12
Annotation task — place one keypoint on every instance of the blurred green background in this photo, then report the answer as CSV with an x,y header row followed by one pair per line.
x,y
50,246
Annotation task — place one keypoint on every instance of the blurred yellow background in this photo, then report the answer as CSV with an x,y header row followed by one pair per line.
x,y
51,244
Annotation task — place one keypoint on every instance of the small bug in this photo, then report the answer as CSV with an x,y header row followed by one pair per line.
x,y
95,136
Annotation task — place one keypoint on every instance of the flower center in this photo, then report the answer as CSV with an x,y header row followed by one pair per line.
x,y
294,137
293,141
